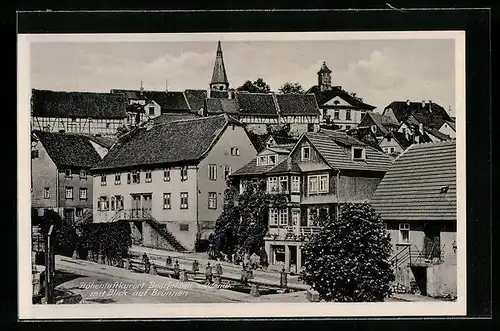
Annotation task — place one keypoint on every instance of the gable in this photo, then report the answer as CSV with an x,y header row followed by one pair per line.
x,y
315,162
337,101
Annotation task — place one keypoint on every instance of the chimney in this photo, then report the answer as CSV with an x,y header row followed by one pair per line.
x,y
423,103
430,106
142,88
421,128
166,85
407,102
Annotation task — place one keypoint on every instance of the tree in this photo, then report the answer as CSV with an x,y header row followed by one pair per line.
x,y
347,261
291,88
257,86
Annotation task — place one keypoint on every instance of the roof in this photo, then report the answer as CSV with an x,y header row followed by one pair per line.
x,y
285,166
436,133
280,140
324,68
182,141
170,117
414,188
69,150
219,75
383,122
130,94
175,101
78,104
195,98
298,104
365,135
325,96
220,106
335,147
256,103
434,118
400,138
106,142
451,124
219,94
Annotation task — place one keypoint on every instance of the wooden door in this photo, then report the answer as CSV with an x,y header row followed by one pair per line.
x,y
432,242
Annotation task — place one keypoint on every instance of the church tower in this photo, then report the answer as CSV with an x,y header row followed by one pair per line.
x,y
219,80
324,78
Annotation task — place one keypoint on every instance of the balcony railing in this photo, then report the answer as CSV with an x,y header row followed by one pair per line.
x,y
299,233
132,215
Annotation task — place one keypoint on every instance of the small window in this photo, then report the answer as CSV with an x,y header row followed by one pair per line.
x,y
284,184
272,183
347,115
118,179
184,200
212,172
272,159
313,184
113,201
184,173
336,115
310,127
151,110
79,212
306,151
262,160
108,125
167,201
119,202
295,184
273,216
227,172
404,233
149,177
69,192
83,193
235,151
67,173
103,180
129,178
83,174
183,227
35,154
323,183
46,193
166,175
283,216
358,153
212,200
103,203
136,177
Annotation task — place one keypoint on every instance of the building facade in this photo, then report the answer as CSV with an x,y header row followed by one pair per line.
x,y
60,164
77,112
170,185
323,170
417,201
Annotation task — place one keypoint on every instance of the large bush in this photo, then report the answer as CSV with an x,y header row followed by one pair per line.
x,y
111,240
347,261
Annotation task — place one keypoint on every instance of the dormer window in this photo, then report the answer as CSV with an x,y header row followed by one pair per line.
x,y
358,153
306,153
262,160
272,159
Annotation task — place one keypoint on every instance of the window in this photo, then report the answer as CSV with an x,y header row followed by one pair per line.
x,y
184,173
103,203
151,110
295,184
167,201
358,153
184,200
67,173
347,115
284,184
283,216
103,180
119,202
227,172
136,176
336,115
242,186
79,212
108,125
391,149
273,216
149,177
271,184
310,127
35,154
83,193
118,179
404,233
69,192
129,178
113,201
212,200
183,227
235,151
46,193
272,159
83,174
166,175
212,172
306,151
311,214
318,184
262,160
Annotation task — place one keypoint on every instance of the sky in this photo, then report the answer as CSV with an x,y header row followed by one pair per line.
x,y
379,71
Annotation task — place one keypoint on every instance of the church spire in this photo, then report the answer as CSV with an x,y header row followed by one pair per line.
x,y
219,77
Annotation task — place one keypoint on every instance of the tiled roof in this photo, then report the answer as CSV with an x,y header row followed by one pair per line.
x,y
325,96
287,165
106,142
256,104
420,185
383,122
170,117
182,141
280,140
251,168
298,104
435,118
400,138
175,101
337,152
78,104
436,133
130,94
451,124
220,106
365,135
69,150
195,98
219,74
219,94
